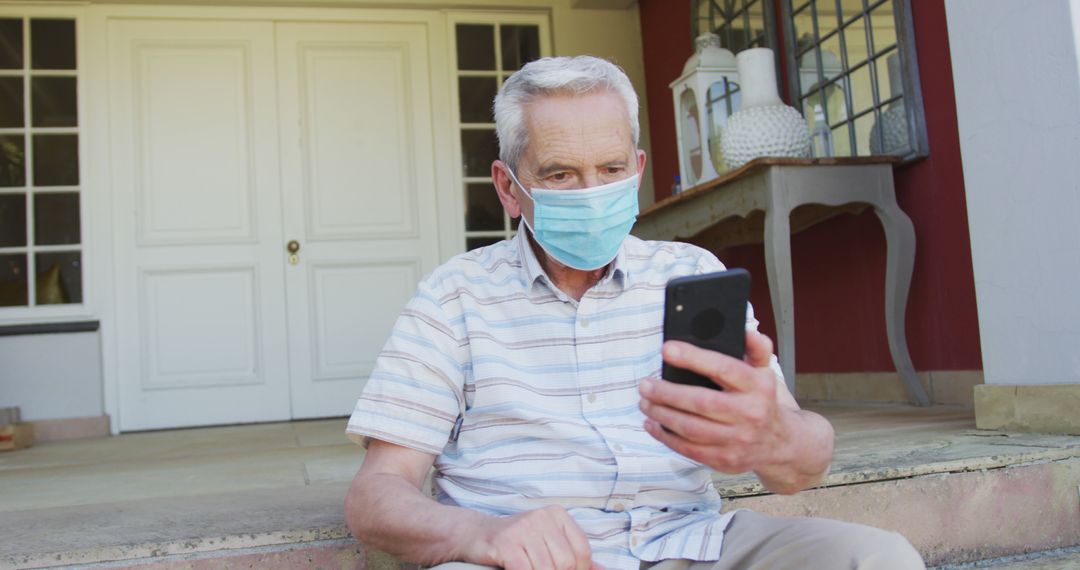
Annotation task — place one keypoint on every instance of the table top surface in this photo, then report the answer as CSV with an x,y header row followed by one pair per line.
x,y
756,165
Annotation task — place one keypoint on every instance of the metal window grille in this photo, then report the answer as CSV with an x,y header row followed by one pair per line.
x,y
741,24
852,72
838,55
40,211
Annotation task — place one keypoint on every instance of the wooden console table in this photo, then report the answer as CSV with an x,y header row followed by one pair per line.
x,y
758,199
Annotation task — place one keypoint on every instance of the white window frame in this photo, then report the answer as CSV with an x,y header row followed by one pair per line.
x,y
541,19
72,312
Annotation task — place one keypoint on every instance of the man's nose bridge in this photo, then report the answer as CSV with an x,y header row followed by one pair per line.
x,y
591,179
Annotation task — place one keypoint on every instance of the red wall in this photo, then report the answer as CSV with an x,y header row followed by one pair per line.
x,y
839,266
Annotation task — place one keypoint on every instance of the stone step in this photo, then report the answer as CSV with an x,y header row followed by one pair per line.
x,y
954,517
958,494
951,517
1061,559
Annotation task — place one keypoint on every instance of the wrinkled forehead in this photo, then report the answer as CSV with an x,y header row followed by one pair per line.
x,y
576,122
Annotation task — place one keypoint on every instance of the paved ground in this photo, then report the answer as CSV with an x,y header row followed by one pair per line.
x,y
198,490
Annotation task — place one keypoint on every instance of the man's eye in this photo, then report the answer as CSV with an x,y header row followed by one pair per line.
x,y
559,176
614,169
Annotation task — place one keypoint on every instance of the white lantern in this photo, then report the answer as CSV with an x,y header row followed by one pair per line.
x,y
709,83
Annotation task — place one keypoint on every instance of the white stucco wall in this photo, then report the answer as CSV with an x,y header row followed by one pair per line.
x,y
52,376
1017,81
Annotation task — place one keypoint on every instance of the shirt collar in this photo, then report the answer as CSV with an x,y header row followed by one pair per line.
x,y
617,269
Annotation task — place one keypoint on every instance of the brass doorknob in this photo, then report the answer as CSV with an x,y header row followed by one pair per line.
x,y
293,247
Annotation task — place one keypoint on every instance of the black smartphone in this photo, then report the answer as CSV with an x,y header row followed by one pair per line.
x,y
708,311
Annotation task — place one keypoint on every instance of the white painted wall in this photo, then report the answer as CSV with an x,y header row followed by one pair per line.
x,y
52,376
1017,80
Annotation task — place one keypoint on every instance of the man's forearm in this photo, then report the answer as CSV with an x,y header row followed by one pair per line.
x,y
805,460
388,513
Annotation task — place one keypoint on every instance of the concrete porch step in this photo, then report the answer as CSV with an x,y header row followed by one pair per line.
x,y
1062,559
958,494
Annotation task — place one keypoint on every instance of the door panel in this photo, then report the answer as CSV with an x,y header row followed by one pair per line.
x,y
221,304
196,180
344,343
200,295
359,194
356,107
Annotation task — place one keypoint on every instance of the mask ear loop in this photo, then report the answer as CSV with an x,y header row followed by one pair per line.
x,y
519,184
527,193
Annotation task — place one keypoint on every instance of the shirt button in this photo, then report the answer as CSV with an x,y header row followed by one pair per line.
x,y
592,398
619,507
584,323
635,541
618,447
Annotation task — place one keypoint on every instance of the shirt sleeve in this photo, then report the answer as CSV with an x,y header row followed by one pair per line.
x,y
415,393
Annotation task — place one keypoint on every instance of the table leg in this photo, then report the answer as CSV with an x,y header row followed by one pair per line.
x,y
899,264
778,264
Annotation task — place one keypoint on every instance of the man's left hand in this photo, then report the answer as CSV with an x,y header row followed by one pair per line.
x,y
753,424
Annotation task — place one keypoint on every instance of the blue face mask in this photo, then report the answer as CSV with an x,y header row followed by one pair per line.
x,y
583,229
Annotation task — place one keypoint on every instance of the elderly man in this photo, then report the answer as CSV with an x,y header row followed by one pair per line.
x,y
526,373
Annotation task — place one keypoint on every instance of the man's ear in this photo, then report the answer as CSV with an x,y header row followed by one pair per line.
x,y
641,163
504,186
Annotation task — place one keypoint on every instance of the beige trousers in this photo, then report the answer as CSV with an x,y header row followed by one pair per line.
x,y
758,542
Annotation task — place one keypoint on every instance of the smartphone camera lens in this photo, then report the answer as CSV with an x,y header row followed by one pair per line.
x,y
707,324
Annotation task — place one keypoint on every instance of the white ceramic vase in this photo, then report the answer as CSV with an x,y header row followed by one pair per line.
x,y
763,125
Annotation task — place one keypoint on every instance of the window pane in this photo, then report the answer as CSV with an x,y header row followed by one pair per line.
x,y
56,160
855,42
476,47
809,78
52,44
803,22
740,36
11,102
841,141
53,102
12,161
59,278
851,8
883,25
862,96
11,43
889,76
12,220
830,56
473,243
476,95
756,12
863,126
56,219
479,148
520,45
826,17
483,211
893,129
13,289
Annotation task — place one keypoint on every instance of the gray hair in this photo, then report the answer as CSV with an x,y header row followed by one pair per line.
x,y
550,76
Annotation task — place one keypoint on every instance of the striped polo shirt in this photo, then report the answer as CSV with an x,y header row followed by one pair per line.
x,y
547,390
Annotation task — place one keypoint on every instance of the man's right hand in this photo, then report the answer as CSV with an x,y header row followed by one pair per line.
x,y
534,540
386,510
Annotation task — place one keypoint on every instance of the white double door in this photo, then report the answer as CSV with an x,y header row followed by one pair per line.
x,y
229,140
